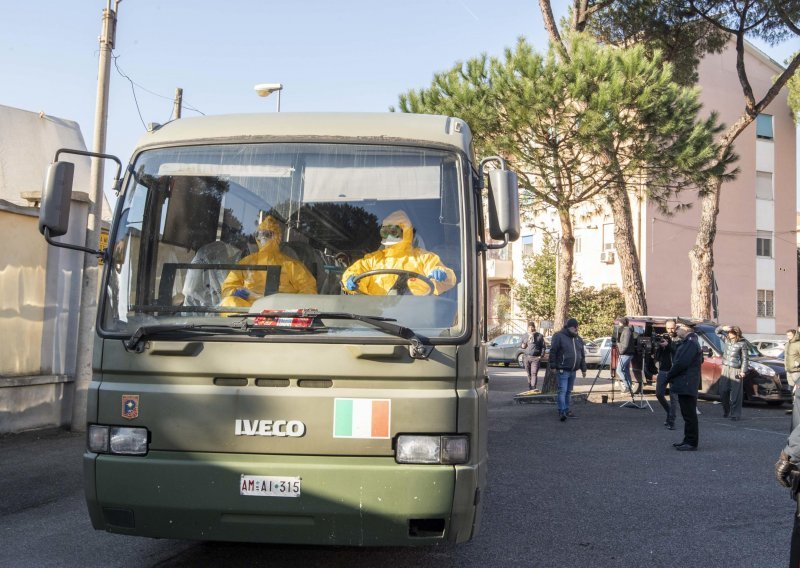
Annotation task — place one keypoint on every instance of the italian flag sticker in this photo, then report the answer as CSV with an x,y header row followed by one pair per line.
x,y
361,418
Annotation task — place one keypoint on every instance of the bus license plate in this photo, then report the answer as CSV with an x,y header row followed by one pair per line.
x,y
269,486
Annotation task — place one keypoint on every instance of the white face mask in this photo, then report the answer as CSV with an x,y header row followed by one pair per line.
x,y
389,241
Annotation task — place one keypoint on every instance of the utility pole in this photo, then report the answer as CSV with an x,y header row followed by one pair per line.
x,y
176,112
88,307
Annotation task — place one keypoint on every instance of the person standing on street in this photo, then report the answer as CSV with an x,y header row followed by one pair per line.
x,y
626,347
534,349
567,355
735,361
792,364
665,351
788,475
684,380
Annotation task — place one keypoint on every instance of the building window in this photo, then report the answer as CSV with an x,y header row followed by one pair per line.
x,y
608,236
764,185
527,245
764,126
766,303
764,244
577,248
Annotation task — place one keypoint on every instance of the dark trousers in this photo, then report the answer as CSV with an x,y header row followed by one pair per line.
x,y
670,407
532,369
691,428
794,554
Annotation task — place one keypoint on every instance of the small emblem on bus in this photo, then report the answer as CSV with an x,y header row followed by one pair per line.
x,y
130,406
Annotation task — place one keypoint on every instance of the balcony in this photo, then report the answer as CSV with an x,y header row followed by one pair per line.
x,y
497,269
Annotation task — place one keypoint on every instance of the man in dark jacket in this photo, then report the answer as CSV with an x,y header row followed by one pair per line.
x,y
534,349
665,351
684,380
786,472
567,355
626,347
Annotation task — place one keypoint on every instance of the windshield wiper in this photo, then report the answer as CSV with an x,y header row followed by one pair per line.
x,y
136,341
419,348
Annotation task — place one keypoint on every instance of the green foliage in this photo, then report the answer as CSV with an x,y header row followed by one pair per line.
x,y
536,295
794,95
667,26
596,309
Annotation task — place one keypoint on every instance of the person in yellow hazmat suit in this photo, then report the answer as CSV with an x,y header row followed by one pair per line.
x,y
398,253
243,287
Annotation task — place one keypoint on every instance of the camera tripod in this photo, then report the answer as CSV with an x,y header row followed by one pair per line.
x,y
642,402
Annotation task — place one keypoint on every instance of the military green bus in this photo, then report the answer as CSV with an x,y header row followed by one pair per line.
x,y
242,393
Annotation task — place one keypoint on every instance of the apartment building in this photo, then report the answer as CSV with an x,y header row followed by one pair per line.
x,y
756,244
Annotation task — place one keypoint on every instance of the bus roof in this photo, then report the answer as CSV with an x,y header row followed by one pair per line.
x,y
389,127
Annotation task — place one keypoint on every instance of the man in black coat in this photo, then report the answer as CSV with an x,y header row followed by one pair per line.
x,y
665,351
684,380
567,355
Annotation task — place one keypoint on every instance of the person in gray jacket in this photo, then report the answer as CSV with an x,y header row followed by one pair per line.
x,y
735,361
534,349
626,346
567,355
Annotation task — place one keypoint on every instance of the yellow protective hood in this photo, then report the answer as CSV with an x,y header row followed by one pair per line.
x,y
271,224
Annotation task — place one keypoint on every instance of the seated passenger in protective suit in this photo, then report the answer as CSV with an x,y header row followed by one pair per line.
x,y
203,287
243,287
399,253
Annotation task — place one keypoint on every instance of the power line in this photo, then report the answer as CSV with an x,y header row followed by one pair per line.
x,y
134,84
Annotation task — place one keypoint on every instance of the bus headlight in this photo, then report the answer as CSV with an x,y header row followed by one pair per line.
x,y
447,450
117,440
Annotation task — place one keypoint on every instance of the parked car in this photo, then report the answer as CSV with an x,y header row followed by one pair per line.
x,y
770,347
592,352
765,380
507,349
604,347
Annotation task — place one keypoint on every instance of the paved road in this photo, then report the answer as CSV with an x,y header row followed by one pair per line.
x,y
605,489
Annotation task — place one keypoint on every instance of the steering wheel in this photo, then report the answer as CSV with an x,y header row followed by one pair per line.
x,y
402,279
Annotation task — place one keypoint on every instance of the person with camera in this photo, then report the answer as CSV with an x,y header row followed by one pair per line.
x,y
567,355
683,378
626,347
666,346
791,361
534,349
788,475
735,362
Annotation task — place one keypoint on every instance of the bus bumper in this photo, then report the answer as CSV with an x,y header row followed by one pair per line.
x,y
352,501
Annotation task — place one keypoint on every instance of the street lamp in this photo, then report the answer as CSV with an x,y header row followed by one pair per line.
x,y
266,89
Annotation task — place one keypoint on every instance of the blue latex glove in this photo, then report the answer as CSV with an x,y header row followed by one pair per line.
x,y
438,274
242,293
351,284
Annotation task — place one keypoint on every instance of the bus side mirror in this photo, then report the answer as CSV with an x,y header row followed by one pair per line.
x,y
56,197
503,205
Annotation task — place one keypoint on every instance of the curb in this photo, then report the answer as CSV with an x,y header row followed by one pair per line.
x,y
526,398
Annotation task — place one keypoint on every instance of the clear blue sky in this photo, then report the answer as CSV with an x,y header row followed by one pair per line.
x,y
352,55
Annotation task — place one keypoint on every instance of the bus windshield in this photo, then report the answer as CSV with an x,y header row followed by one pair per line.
x,y
221,231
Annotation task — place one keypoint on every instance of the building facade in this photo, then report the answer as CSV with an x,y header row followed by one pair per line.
x,y
755,250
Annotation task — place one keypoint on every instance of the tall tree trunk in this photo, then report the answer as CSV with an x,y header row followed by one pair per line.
x,y
566,257
632,284
566,254
702,254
